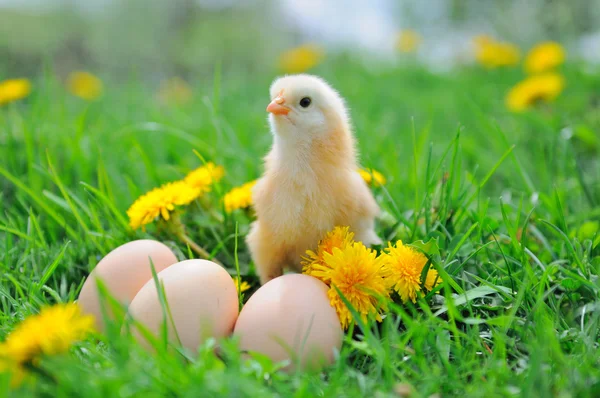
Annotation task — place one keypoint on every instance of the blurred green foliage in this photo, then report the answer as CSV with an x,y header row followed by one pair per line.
x,y
154,38
150,38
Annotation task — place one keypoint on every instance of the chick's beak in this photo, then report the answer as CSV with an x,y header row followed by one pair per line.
x,y
276,106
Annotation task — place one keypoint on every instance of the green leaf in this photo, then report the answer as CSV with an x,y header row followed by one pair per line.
x,y
587,137
443,342
588,230
470,295
570,284
431,247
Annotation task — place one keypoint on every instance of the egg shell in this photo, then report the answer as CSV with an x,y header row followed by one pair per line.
x,y
291,318
123,271
202,299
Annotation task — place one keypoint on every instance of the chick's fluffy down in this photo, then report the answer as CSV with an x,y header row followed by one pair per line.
x,y
310,184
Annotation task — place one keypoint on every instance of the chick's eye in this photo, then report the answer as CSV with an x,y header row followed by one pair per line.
x,y
305,102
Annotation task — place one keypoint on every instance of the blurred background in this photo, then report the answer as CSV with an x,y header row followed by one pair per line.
x,y
187,38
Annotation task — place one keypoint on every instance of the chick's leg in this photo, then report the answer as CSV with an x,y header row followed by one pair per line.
x,y
268,256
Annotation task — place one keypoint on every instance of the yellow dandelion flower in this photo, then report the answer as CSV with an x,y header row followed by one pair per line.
x,y
494,54
301,59
175,90
403,266
84,85
241,287
357,272
51,332
13,90
544,56
239,197
432,279
203,177
160,202
339,237
372,176
408,41
544,87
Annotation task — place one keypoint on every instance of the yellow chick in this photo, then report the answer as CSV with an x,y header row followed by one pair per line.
x,y
311,183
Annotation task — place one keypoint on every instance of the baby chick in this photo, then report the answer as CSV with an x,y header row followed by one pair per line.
x,y
310,184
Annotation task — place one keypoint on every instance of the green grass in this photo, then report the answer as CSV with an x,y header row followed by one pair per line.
x,y
512,201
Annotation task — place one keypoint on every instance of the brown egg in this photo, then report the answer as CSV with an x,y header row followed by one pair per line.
x,y
202,299
124,271
290,318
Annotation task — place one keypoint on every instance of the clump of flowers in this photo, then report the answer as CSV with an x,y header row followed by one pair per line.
x,y
161,204
408,41
357,272
403,267
544,57
85,85
372,177
339,238
544,87
14,90
53,331
493,54
175,91
365,278
301,59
